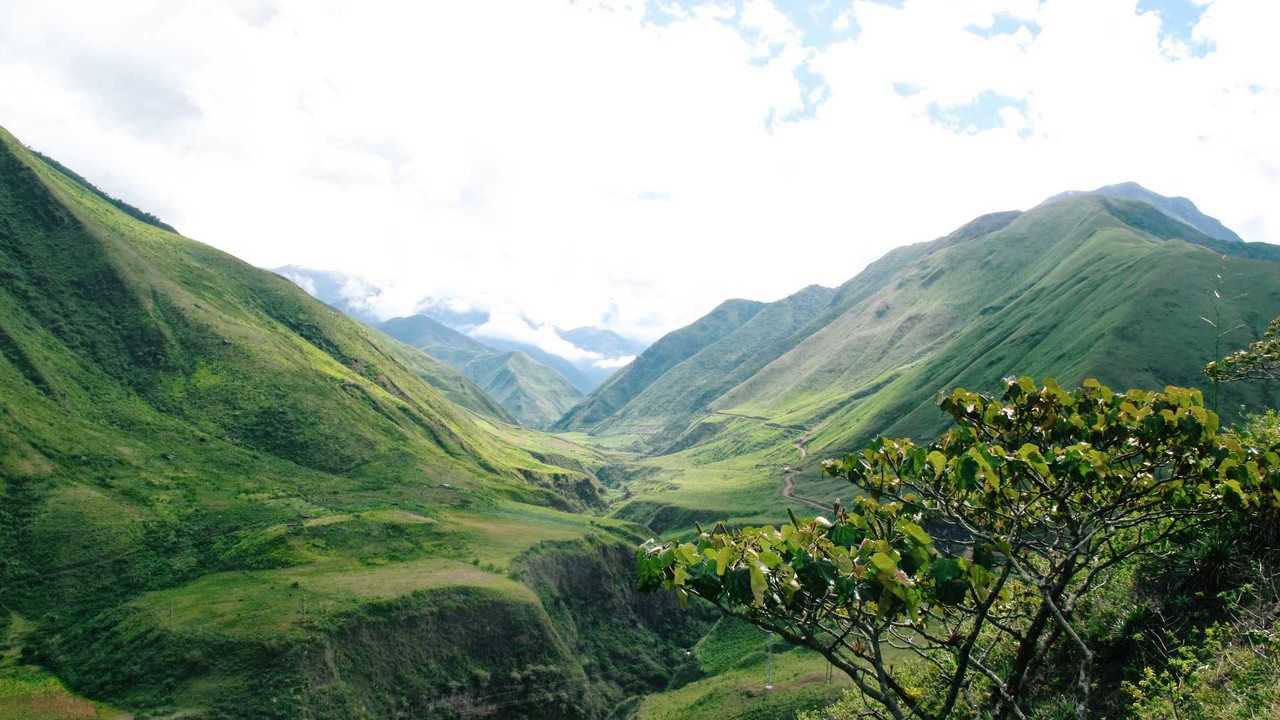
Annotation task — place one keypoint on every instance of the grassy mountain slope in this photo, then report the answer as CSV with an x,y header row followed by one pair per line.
x,y
454,385
528,391
583,376
533,393
663,355
437,340
1089,286
222,498
692,385
1178,208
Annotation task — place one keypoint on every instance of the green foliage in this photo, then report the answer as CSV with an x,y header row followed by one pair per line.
x,y
534,394
658,359
1218,676
1264,428
1259,361
122,206
208,479
1085,287
528,391
1033,498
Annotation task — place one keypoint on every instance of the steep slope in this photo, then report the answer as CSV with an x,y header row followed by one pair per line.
x,y
667,404
582,375
221,498
663,355
453,384
533,393
437,340
961,285
348,294
1088,286
528,391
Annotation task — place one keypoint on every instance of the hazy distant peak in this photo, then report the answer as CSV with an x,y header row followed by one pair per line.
x,y
1178,208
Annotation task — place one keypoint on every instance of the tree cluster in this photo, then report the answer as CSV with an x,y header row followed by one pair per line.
x,y
962,566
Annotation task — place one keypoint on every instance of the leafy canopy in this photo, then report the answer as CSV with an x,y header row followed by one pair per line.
x,y
1259,361
974,552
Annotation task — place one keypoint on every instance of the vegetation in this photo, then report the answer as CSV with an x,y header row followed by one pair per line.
x,y
1259,361
667,353
686,388
1088,286
221,498
529,392
1035,498
122,206
533,393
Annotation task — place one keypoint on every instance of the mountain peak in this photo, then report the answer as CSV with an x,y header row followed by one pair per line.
x,y
1179,208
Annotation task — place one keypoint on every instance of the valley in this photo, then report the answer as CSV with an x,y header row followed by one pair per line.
x,y
223,498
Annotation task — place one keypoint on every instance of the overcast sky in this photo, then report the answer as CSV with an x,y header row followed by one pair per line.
x,y
634,163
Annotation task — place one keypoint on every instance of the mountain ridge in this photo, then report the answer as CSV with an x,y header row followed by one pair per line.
x,y
1178,208
528,391
1088,286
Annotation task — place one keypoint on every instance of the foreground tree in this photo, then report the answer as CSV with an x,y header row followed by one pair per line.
x,y
1259,361
975,553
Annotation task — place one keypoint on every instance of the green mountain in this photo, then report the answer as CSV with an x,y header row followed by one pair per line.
x,y
583,375
661,357
436,339
221,498
529,392
1086,286
687,388
533,393
1178,208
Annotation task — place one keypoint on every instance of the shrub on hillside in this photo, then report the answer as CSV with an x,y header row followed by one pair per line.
x,y
978,554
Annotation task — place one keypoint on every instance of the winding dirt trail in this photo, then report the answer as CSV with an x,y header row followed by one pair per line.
x,y
789,478
789,472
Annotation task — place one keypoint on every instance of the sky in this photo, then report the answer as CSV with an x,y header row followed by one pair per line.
x,y
632,163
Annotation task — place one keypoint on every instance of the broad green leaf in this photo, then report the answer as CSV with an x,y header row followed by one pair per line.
x,y
884,563
915,533
723,558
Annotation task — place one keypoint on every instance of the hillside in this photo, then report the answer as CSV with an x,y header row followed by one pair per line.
x,y
359,299
533,393
528,392
1178,208
687,388
1086,286
661,357
221,498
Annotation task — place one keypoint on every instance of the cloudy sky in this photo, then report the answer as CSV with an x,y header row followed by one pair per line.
x,y
632,163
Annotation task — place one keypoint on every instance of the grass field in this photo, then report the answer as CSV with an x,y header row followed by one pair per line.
x,y
750,677
30,693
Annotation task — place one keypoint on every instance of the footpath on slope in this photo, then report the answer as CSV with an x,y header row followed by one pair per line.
x,y
789,471
789,478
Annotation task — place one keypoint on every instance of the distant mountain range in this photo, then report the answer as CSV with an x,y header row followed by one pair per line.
x,y
602,351
530,392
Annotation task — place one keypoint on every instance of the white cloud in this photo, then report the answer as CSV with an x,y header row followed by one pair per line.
x,y
510,324
611,363
564,158
302,281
